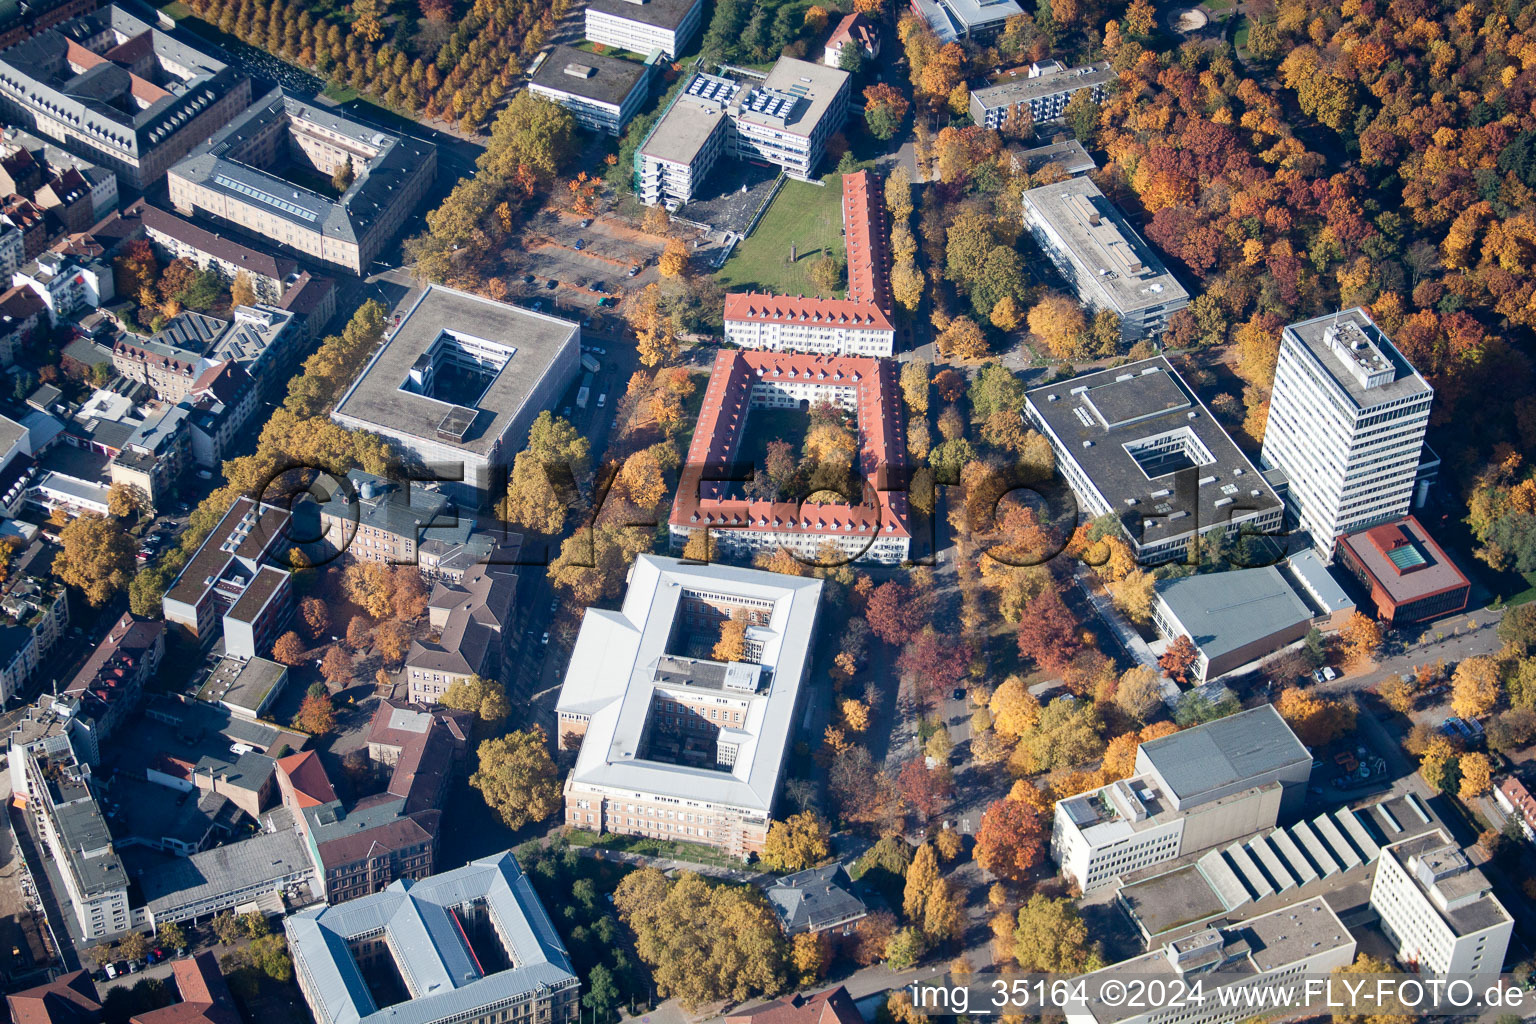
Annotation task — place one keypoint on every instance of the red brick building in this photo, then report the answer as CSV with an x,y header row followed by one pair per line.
x,y
1410,577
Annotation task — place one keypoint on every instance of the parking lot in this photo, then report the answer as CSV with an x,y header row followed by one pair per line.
x,y
578,266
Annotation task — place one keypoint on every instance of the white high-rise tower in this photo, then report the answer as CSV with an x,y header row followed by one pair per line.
x,y
1346,425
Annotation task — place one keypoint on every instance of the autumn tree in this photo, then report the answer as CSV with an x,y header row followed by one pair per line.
x,y
796,843
1179,658
1317,720
1048,634
704,941
1138,693
336,666
317,616
1397,693
1475,687
893,613
289,649
732,645
1011,841
1361,638
962,340
674,259
316,715
884,110
95,556
517,778
1476,775
487,698
1051,937
545,475
392,641
1014,709
1058,322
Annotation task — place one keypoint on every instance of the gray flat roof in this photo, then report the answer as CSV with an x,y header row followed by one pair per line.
x,y
375,399
1091,419
1101,241
1217,754
184,881
667,14
816,84
1477,914
1223,611
592,76
244,684
1406,380
1020,88
975,14
1069,155
683,130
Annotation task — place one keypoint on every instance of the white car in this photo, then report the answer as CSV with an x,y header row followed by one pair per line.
x,y
601,399
544,639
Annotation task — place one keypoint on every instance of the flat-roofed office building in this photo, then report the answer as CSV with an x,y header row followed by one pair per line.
x,y
1134,441
1110,266
458,383
641,26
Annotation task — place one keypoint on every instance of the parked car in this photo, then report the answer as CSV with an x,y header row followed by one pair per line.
x,y
551,284
581,243
527,279
566,412
545,638
602,399
156,955
587,223
110,970
554,606
959,693
634,270
595,350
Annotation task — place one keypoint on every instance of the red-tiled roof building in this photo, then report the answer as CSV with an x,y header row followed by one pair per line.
x,y
1410,577
855,29
858,325
67,999
834,1006
873,529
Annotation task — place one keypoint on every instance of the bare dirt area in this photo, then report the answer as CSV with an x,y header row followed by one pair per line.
x,y
586,263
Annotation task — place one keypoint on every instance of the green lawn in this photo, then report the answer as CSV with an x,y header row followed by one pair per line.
x,y
1240,37
806,216
764,425
610,51
176,10
696,853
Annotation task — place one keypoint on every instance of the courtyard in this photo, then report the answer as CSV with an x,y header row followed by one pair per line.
x,y
805,217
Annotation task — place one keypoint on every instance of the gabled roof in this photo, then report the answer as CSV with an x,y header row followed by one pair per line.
x,y
205,998
834,1006
703,503
307,776
67,999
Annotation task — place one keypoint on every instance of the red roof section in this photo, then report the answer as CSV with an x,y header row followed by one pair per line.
x,y
868,304
834,1006
67,999
1372,550
307,776
853,25
205,997
722,421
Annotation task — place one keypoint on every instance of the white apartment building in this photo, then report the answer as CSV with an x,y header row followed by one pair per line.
x,y
1438,910
1272,951
1044,90
1109,265
858,325
783,119
641,26
674,744
1192,791
602,93
1346,425
66,285
56,791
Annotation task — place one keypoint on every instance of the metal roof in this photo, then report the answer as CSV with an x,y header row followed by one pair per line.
x,y
436,961
1246,745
